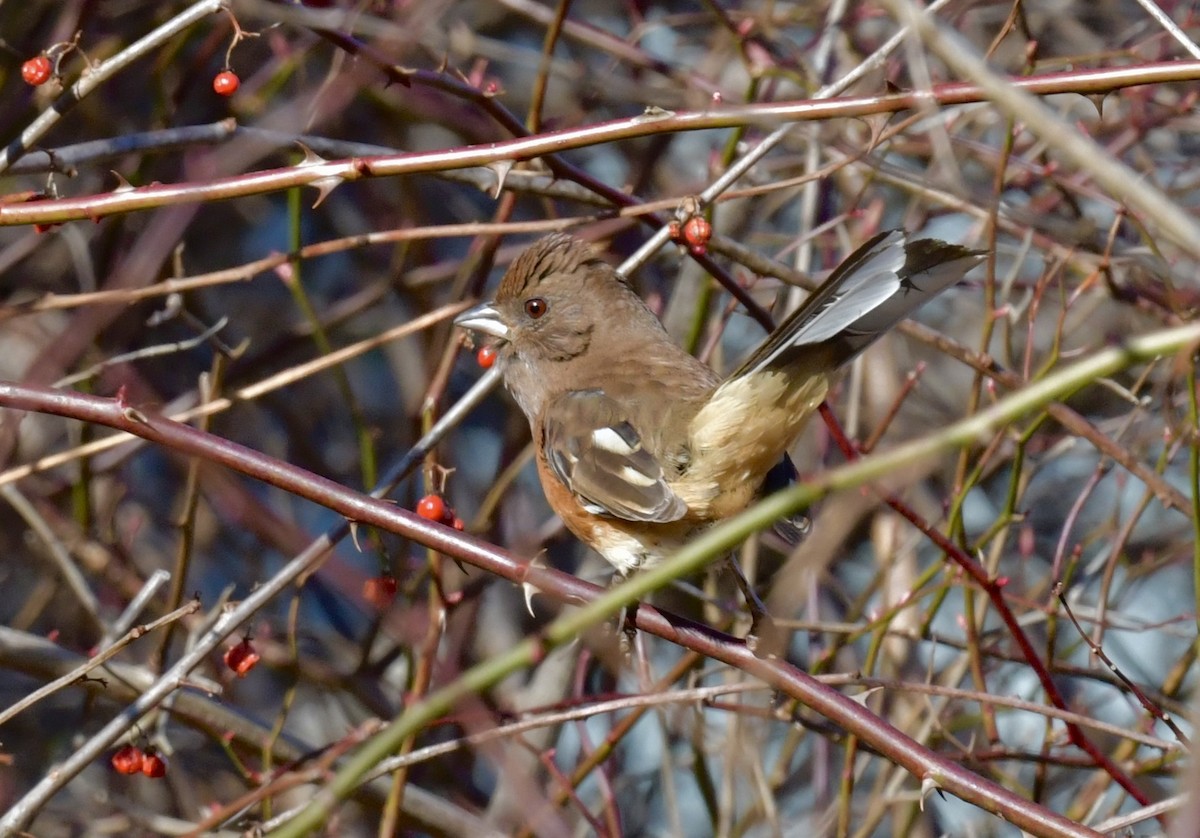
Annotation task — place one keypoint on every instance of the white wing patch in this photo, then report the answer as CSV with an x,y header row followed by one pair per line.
x,y
613,442
594,450
631,475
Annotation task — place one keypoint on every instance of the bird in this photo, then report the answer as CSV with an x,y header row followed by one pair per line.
x,y
639,445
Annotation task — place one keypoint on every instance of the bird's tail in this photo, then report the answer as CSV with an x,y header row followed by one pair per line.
x,y
879,285
743,428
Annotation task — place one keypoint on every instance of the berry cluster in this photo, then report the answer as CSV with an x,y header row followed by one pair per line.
x,y
39,69
380,590
695,233
133,760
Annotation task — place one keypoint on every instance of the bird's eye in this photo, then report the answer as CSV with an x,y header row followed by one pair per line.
x,y
535,307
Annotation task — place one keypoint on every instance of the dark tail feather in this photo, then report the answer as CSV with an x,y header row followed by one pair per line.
x,y
875,288
793,528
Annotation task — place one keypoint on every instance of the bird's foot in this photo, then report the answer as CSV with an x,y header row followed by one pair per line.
x,y
761,624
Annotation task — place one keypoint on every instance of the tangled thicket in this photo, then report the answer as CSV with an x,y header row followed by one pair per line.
x,y
1011,610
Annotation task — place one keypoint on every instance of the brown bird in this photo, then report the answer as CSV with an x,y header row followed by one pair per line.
x,y
640,445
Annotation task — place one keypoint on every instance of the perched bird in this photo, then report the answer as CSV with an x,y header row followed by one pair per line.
x,y
640,445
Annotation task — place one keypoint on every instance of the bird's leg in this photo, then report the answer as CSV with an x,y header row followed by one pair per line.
x,y
759,617
626,623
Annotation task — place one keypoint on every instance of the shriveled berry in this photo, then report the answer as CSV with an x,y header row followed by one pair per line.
x,y
154,765
431,508
37,70
226,83
379,591
128,760
242,658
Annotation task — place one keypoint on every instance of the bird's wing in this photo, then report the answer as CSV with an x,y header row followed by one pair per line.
x,y
596,453
876,287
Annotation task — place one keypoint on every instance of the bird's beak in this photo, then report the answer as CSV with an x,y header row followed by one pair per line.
x,y
483,318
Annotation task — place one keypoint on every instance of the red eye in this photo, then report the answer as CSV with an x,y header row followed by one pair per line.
x,y
536,307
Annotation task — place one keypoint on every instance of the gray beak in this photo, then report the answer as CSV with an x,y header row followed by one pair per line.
x,y
483,318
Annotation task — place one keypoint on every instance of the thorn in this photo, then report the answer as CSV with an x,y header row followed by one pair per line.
x,y
862,697
398,74
928,786
354,536
311,158
122,184
501,168
528,589
170,310
132,414
324,186
238,351
653,113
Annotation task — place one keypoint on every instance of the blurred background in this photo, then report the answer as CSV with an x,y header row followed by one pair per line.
x,y
182,302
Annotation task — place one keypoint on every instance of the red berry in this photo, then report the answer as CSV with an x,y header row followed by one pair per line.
x,y
128,760
696,232
458,524
431,507
226,83
154,765
674,231
486,356
380,591
242,658
36,70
